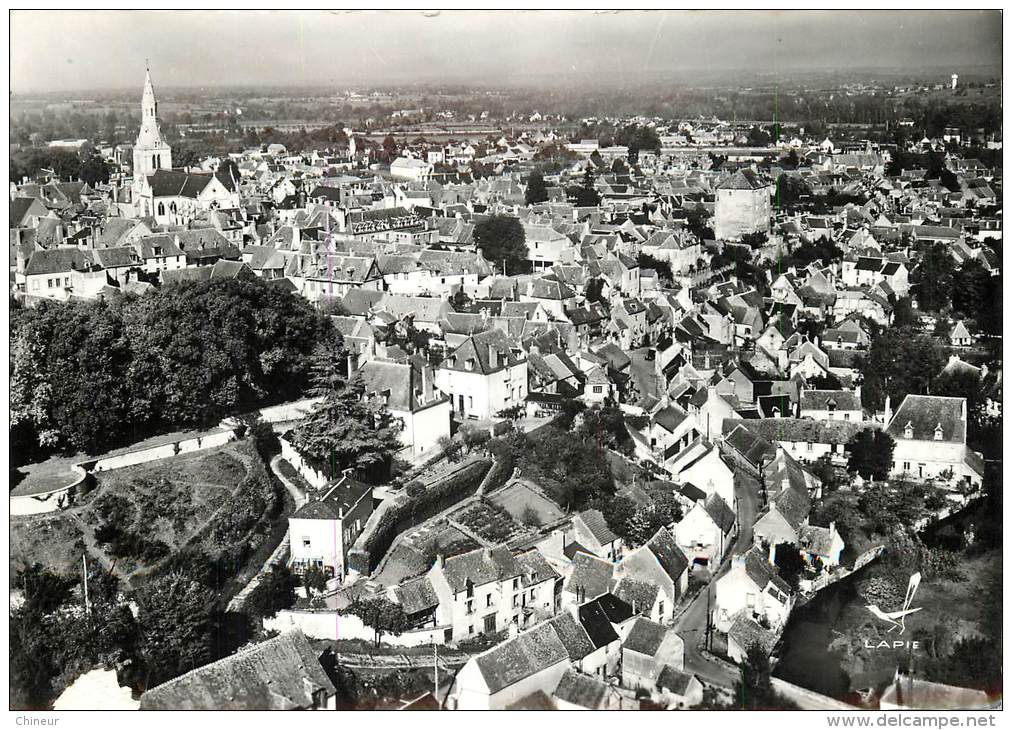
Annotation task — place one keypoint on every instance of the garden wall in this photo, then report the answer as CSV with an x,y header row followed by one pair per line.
x,y
330,626
402,512
61,497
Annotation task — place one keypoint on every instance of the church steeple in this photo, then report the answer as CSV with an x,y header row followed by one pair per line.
x,y
151,152
150,136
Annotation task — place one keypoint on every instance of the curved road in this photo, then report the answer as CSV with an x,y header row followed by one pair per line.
x,y
691,625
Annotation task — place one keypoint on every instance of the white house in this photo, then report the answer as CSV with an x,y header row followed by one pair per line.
x,y
752,583
324,529
484,375
407,390
408,168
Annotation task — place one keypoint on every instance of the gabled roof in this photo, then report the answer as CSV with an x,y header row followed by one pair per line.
x,y
278,674
521,657
925,413
338,499
173,183
668,554
57,261
417,595
718,510
590,576
597,624
595,523
645,636
481,566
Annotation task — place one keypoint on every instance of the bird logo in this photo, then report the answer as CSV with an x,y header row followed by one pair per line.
x,y
897,619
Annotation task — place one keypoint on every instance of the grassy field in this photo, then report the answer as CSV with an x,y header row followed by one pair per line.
x,y
136,516
519,497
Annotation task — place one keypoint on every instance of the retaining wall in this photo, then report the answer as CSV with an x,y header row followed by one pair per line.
x,y
330,626
61,497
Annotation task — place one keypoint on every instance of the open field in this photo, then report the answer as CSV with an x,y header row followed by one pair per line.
x,y
520,496
135,516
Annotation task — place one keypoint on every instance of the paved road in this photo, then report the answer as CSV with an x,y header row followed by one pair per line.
x,y
691,626
643,373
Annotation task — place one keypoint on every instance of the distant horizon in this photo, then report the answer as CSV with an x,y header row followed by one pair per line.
x,y
191,49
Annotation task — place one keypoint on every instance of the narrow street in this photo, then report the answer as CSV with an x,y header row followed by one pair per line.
x,y
691,626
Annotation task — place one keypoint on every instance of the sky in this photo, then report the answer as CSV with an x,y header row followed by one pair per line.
x,y
88,50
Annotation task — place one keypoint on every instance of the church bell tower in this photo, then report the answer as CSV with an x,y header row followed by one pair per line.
x,y
151,152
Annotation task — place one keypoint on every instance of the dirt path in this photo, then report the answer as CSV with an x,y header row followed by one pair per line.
x,y
298,496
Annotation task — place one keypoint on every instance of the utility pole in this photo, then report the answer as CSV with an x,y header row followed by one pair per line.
x,y
435,666
87,606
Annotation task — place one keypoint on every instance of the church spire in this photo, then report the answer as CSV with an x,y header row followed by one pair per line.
x,y
151,153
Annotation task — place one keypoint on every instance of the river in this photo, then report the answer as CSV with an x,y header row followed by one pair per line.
x,y
805,657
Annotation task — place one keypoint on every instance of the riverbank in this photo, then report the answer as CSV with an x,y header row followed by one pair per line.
x,y
833,645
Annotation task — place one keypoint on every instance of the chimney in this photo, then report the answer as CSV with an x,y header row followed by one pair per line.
x,y
440,560
888,413
426,383
296,238
493,356
486,553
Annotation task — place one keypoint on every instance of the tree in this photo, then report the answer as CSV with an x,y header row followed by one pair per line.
x,y
754,240
584,195
44,591
970,289
754,691
789,562
647,520
870,453
177,619
274,592
537,191
314,580
380,614
900,361
904,314
345,430
594,289
93,171
932,278
663,268
501,239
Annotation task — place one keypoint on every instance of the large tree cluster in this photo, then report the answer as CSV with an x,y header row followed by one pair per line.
x,y
89,376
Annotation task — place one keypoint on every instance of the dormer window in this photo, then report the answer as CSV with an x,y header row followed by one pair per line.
x,y
939,435
908,430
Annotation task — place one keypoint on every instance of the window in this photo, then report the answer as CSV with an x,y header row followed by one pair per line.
x,y
516,600
598,388
908,430
470,630
469,609
660,609
516,584
846,416
809,446
49,283
305,542
488,600
906,466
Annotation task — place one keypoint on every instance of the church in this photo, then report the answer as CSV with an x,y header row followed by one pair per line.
x,y
172,196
